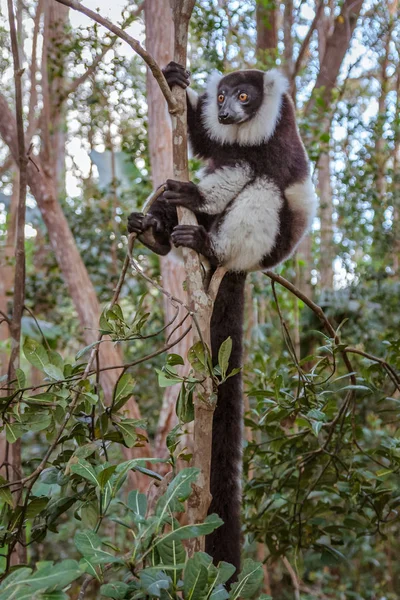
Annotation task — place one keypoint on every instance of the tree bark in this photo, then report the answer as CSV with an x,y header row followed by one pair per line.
x,y
336,48
326,255
267,33
160,43
288,41
326,216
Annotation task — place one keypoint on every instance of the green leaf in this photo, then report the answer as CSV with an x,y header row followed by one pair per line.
x,y
104,475
85,470
219,593
35,354
171,552
185,532
174,359
316,427
5,493
185,405
52,577
124,390
128,431
198,357
250,580
225,572
178,490
116,590
13,432
14,578
154,582
137,503
224,354
35,507
166,379
54,372
89,545
85,349
20,375
195,579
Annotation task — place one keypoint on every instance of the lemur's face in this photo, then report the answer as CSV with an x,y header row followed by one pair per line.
x,y
239,96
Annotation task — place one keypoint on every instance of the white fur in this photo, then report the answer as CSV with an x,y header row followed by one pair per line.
x,y
222,186
303,200
249,228
193,97
260,128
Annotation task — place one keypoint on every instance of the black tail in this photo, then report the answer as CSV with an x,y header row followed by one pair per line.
x,y
227,320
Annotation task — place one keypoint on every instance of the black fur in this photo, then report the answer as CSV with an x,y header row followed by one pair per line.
x,y
225,542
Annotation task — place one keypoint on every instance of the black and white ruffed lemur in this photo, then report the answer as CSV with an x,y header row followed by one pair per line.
x,y
254,203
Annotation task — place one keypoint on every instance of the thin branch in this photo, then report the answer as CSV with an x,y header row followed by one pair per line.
x,y
33,70
293,577
306,42
133,43
19,272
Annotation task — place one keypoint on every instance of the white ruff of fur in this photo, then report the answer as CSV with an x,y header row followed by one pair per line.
x,y
249,227
222,186
258,129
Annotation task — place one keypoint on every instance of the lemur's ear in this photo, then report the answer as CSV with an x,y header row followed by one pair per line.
x,y
275,82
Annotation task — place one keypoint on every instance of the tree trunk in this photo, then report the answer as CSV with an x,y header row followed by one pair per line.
x,y
325,30
288,40
160,43
325,215
336,48
267,34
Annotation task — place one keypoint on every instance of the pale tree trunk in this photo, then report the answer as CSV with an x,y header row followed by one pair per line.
x,y
6,286
288,41
267,33
326,221
160,44
382,155
396,185
326,255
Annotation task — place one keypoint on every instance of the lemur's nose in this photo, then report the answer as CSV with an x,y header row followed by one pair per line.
x,y
223,116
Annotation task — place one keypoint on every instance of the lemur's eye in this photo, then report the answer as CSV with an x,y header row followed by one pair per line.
x,y
221,98
243,97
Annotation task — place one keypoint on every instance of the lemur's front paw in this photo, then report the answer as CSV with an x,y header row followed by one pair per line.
x,y
176,74
183,193
135,223
139,223
193,236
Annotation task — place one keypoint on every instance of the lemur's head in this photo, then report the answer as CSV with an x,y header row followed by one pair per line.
x,y
244,107
239,96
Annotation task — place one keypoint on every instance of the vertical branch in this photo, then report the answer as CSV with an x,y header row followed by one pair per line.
x,y
19,276
200,301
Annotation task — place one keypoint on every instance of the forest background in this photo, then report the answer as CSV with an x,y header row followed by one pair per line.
x,y
322,445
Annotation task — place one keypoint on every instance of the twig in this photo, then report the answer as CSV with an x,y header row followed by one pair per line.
x,y
293,577
306,41
133,43
19,273
33,92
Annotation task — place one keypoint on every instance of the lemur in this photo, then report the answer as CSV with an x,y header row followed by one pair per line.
x,y
254,203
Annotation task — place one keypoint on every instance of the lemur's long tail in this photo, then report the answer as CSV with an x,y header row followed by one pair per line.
x,y
227,320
